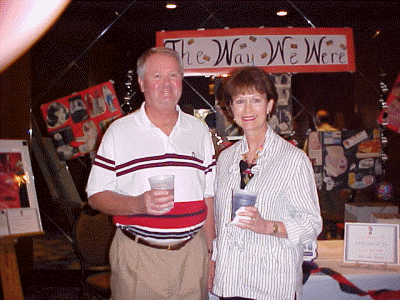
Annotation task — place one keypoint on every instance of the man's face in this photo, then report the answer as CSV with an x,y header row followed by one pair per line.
x,y
162,82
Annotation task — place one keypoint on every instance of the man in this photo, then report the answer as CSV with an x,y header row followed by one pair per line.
x,y
322,119
160,247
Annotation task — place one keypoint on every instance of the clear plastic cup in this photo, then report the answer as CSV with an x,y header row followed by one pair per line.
x,y
241,198
163,182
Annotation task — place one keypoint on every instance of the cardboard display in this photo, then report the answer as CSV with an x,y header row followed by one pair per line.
x,y
345,159
77,122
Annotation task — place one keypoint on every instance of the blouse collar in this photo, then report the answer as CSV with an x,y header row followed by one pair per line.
x,y
243,148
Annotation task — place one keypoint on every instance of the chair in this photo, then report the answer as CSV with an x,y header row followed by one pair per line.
x,y
93,234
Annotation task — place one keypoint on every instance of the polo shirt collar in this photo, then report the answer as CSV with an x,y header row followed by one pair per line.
x,y
145,122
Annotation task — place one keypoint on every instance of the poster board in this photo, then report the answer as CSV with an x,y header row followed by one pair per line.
x,y
19,211
78,121
390,115
371,243
277,50
345,159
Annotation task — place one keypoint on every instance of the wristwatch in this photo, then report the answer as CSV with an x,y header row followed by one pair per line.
x,y
275,229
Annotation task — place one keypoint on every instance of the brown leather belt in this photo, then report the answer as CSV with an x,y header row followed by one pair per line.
x,y
148,244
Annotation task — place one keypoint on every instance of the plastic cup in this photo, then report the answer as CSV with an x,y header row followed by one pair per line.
x,y
162,182
242,198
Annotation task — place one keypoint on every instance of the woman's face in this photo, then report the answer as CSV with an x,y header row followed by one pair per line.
x,y
250,111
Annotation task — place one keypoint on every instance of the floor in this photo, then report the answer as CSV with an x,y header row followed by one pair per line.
x,y
56,271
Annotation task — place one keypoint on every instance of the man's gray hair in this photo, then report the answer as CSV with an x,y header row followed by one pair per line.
x,y
141,63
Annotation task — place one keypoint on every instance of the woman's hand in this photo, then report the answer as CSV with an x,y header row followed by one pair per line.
x,y
256,223
260,225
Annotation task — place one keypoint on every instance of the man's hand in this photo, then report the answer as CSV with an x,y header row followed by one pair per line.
x,y
157,202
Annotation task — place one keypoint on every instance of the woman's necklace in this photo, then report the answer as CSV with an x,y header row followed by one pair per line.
x,y
245,168
253,162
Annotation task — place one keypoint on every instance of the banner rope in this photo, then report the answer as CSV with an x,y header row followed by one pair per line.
x,y
348,287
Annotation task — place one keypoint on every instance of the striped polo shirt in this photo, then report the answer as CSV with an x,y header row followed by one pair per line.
x,y
133,149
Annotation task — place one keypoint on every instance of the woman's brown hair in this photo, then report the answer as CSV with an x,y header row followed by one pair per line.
x,y
247,80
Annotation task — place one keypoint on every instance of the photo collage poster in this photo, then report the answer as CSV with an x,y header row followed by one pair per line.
x,y
78,122
390,115
345,159
281,120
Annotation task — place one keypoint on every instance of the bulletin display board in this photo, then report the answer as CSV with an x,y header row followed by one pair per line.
x,y
77,122
19,212
345,159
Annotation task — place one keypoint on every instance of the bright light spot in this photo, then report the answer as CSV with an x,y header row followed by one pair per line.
x,y
282,13
171,5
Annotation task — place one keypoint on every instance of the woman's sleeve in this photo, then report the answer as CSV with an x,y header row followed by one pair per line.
x,y
303,222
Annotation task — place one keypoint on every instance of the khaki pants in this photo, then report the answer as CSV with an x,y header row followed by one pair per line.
x,y
141,272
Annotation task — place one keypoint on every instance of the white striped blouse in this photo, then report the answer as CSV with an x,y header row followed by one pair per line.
x,y
259,266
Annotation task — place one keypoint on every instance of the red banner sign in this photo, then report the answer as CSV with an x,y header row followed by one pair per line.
x,y
277,50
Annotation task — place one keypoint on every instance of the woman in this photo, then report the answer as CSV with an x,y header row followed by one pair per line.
x,y
261,257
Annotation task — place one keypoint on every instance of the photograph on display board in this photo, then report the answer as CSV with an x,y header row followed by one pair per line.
x,y
390,115
19,211
12,182
281,120
77,122
345,159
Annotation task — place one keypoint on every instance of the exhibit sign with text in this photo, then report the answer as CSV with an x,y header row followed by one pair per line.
x,y
19,212
77,122
371,243
277,50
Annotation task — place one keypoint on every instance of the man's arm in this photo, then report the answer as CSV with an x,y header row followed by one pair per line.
x,y
209,225
209,228
155,202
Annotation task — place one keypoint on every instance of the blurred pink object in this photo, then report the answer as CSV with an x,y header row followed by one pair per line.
x,y
22,23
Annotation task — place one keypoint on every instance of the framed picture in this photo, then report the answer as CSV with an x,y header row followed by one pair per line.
x,y
371,243
19,212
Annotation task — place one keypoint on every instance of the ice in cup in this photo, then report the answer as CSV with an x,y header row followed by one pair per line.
x,y
241,198
162,182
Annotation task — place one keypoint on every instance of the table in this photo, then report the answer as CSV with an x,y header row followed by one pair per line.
x,y
365,277
9,272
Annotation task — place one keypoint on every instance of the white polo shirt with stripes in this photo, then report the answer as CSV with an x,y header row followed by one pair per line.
x,y
133,149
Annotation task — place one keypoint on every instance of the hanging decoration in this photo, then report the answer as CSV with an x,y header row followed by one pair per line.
x,y
390,113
